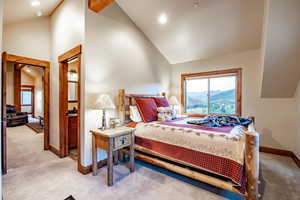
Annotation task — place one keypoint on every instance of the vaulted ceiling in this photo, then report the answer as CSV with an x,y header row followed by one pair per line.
x,y
281,49
19,10
212,28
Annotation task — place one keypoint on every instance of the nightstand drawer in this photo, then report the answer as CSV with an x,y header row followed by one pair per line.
x,y
122,141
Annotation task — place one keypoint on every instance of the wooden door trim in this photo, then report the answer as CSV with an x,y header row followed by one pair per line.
x,y
70,54
17,87
3,113
46,66
63,109
27,61
63,93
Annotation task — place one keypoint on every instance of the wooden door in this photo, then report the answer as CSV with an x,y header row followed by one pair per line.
x,y
72,132
3,114
63,109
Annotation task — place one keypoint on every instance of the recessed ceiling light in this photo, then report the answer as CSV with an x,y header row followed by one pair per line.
x,y
35,3
163,19
28,70
39,13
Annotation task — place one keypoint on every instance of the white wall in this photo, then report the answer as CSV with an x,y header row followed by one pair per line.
x,y
275,118
35,78
118,55
26,79
281,48
39,93
29,38
67,31
37,81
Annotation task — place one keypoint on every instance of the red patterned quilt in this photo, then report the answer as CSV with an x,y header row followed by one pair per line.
x,y
217,150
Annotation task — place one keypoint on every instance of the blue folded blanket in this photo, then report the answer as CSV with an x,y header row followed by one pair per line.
x,y
221,121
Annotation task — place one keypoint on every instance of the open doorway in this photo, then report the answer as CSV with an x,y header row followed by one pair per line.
x,y
69,84
25,104
31,98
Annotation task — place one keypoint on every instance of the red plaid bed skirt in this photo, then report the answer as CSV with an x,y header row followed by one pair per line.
x,y
211,163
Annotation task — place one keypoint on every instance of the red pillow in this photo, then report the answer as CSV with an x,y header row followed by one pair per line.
x,y
147,108
161,102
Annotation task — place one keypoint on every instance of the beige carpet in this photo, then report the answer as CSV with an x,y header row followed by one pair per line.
x,y
35,174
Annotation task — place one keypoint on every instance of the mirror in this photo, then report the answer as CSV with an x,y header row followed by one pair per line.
x,y
72,91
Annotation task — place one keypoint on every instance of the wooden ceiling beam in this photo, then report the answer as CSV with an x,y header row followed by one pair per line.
x,y
98,5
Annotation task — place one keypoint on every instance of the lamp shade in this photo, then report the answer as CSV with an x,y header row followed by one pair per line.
x,y
104,102
173,101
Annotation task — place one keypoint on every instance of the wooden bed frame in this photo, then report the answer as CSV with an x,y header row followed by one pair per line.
x,y
251,154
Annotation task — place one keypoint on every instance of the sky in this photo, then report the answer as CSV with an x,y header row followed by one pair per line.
x,y
218,83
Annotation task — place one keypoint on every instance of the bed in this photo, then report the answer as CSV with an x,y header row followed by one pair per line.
x,y
225,157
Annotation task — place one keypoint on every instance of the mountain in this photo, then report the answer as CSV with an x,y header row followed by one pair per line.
x,y
228,95
221,102
195,98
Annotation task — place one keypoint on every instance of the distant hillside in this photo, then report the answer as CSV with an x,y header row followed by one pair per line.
x,y
195,98
221,102
223,96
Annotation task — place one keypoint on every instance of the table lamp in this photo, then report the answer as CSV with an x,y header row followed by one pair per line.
x,y
104,103
173,102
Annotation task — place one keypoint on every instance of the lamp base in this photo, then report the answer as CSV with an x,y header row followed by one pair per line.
x,y
103,125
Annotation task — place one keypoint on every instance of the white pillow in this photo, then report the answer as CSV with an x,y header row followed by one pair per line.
x,y
165,114
135,115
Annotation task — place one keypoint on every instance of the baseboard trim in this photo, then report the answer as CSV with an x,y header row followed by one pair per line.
x,y
296,160
55,151
275,151
88,169
84,170
281,153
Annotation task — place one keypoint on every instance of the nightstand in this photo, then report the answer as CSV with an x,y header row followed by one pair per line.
x,y
112,140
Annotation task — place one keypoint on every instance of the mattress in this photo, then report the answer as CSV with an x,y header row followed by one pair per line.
x,y
217,150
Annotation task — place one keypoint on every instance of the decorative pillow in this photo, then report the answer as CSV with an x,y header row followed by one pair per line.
x,y
161,102
165,114
135,114
147,108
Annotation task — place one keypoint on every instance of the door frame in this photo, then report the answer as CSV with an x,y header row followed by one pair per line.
x,y
63,104
6,58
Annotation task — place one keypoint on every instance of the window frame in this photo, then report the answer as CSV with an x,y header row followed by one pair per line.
x,y
28,88
219,73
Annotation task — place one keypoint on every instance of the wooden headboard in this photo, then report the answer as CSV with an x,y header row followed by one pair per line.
x,y
127,100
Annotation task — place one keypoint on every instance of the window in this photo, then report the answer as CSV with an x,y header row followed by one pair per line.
x,y
217,92
27,99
